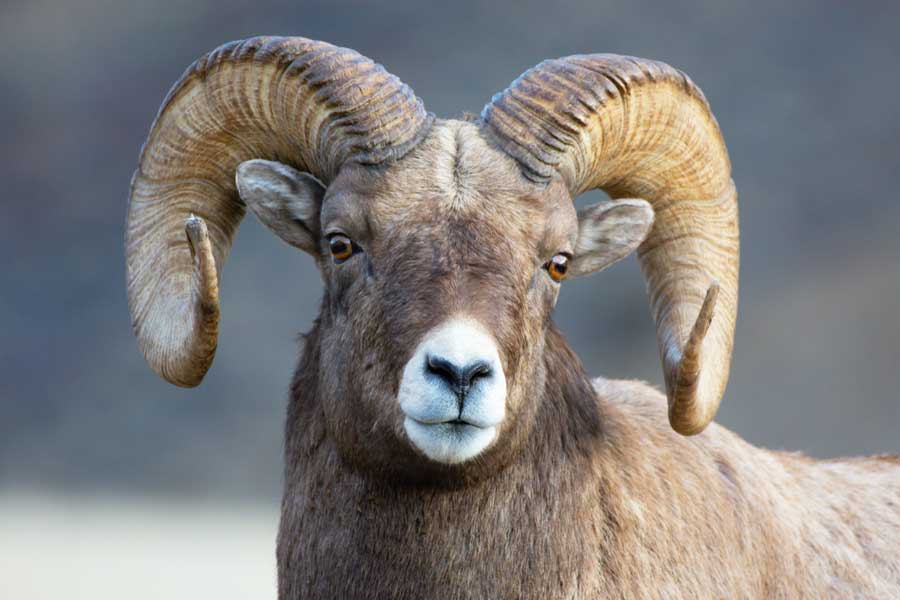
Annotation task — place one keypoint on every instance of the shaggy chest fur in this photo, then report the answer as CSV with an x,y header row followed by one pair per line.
x,y
351,537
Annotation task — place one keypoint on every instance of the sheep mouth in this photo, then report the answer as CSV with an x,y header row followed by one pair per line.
x,y
455,422
451,442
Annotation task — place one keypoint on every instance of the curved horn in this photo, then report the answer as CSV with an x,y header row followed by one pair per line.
x,y
304,103
638,128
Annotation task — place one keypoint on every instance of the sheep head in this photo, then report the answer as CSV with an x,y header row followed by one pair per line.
x,y
442,244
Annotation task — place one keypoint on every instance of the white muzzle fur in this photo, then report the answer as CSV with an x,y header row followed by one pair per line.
x,y
453,392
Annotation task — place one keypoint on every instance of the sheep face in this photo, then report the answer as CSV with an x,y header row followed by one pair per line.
x,y
441,272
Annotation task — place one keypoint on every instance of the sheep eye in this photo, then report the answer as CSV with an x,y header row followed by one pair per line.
x,y
557,267
341,247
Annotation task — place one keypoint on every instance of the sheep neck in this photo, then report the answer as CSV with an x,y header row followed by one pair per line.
x,y
345,530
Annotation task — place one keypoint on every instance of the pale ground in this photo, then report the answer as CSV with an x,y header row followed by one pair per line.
x,y
97,548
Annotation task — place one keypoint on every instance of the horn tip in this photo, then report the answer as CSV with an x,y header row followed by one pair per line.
x,y
689,412
194,226
705,316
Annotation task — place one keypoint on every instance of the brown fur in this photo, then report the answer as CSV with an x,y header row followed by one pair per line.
x,y
587,492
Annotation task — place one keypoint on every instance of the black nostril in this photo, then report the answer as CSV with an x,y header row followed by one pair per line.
x,y
442,368
475,371
460,379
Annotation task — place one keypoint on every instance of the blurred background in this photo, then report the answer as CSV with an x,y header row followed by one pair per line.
x,y
110,477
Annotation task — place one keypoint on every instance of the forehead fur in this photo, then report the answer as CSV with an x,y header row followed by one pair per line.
x,y
456,166
456,173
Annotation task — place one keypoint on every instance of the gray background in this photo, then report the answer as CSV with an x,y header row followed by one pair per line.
x,y
807,97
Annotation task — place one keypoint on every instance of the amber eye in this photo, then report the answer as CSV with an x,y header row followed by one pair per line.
x,y
341,247
558,266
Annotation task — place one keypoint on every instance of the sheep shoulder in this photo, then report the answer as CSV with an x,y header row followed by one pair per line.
x,y
785,525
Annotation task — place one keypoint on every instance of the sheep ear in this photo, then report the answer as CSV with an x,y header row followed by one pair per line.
x,y
608,232
286,200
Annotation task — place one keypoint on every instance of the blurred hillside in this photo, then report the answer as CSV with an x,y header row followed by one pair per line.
x,y
806,95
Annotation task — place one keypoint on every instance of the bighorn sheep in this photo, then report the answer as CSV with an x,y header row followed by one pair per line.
x,y
442,439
